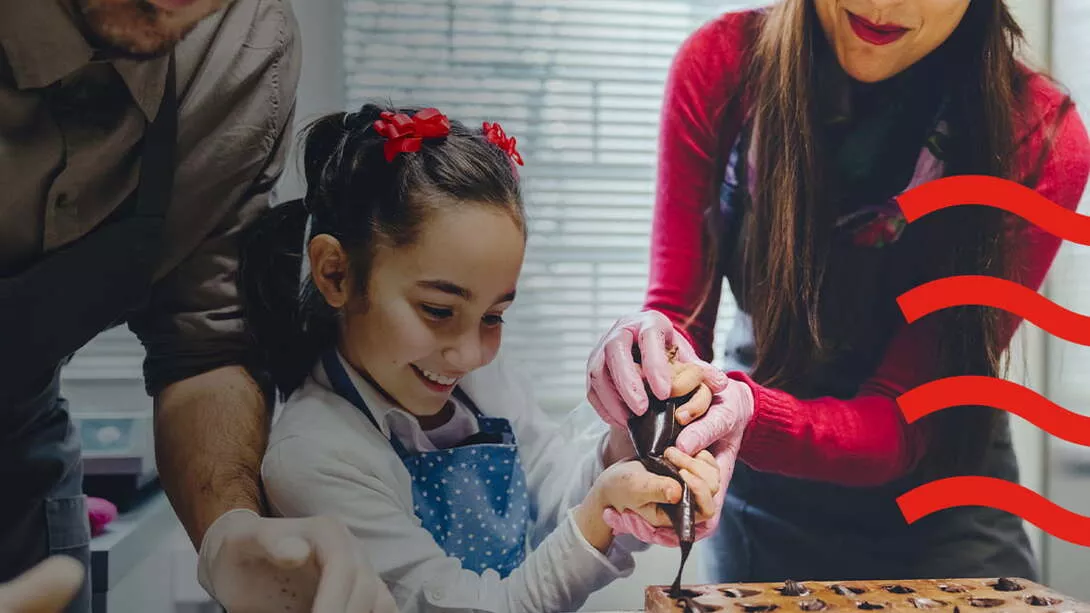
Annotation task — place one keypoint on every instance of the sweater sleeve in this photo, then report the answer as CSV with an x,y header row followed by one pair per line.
x,y
704,74
865,440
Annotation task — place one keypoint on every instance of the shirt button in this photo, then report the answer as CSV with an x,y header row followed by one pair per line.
x,y
436,593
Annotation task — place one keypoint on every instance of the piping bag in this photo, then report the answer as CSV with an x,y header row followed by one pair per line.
x,y
652,434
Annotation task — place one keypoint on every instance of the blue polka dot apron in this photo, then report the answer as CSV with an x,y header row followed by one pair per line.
x,y
472,497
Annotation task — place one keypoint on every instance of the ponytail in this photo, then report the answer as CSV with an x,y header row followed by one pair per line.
x,y
289,327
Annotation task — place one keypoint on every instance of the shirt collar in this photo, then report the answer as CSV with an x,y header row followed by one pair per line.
x,y
43,45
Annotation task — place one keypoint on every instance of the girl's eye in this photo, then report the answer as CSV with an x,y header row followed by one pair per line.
x,y
493,320
437,312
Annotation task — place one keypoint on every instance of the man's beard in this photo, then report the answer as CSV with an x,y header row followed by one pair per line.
x,y
133,29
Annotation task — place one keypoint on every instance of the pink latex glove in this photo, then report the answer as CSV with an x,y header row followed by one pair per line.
x,y
615,382
719,431
100,513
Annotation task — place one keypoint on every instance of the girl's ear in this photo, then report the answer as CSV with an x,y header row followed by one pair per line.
x,y
329,269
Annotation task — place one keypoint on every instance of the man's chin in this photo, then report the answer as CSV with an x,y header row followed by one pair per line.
x,y
130,32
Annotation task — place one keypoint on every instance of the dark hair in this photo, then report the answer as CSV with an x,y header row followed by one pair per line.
x,y
355,195
805,311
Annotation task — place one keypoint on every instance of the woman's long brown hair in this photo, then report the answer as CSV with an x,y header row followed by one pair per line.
x,y
791,293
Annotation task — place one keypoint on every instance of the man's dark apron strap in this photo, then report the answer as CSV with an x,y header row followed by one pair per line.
x,y
62,301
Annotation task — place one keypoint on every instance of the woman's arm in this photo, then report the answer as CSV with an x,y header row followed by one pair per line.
x,y
865,440
704,75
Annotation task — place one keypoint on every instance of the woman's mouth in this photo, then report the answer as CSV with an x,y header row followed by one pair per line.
x,y
873,33
435,381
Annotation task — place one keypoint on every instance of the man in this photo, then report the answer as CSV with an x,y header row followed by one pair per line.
x,y
138,139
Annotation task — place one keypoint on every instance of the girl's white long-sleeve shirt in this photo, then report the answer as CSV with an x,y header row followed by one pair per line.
x,y
326,458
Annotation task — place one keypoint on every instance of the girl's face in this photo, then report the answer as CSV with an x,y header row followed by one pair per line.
x,y
432,312
877,39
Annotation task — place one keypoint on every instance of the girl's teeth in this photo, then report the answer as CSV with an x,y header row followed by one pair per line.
x,y
441,380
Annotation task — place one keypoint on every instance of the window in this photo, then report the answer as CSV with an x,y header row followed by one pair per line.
x,y
1069,285
579,83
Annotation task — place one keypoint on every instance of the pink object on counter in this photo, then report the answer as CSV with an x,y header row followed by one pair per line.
x,y
100,512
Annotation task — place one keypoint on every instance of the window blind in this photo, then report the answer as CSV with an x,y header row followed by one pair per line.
x,y
1069,284
579,83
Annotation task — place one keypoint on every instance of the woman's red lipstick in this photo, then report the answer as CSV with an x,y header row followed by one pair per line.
x,y
874,33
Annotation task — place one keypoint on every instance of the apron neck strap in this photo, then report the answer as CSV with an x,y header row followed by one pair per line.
x,y
338,378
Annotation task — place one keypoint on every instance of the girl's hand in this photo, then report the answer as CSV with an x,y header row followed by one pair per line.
x,y
629,488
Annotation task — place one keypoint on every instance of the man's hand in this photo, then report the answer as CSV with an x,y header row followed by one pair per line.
x,y
47,588
251,564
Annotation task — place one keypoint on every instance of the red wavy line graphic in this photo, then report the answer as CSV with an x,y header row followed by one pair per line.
x,y
972,290
1000,193
1000,394
997,494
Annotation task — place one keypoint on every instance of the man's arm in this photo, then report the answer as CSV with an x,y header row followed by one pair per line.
x,y
211,417
211,431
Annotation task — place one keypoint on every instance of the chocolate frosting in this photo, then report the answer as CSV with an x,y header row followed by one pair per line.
x,y
652,434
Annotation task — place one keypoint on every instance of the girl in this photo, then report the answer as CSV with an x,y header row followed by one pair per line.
x,y
400,420
792,129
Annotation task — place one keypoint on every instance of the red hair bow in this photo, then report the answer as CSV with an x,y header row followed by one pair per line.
x,y
405,134
495,134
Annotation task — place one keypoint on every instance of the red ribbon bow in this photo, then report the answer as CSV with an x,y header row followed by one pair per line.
x,y
405,134
495,134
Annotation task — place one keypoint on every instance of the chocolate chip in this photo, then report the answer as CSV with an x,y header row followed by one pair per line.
x,y
898,589
1007,585
985,602
793,588
813,605
926,603
685,593
847,590
733,592
1042,601
756,607
951,588
870,606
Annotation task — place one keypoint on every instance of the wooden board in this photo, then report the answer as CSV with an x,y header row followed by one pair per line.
x,y
935,596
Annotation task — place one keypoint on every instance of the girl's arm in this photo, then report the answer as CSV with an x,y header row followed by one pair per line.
x,y
306,477
562,458
865,440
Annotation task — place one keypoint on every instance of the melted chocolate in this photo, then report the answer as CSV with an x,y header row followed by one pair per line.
x,y
1007,585
986,603
845,590
1042,601
926,603
793,588
688,605
816,604
652,434
950,588
898,589
870,606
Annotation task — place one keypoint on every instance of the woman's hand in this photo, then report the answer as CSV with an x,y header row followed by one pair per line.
x,y
686,378
719,432
615,382
628,487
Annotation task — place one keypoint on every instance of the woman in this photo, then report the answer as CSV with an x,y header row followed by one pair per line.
x,y
786,134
